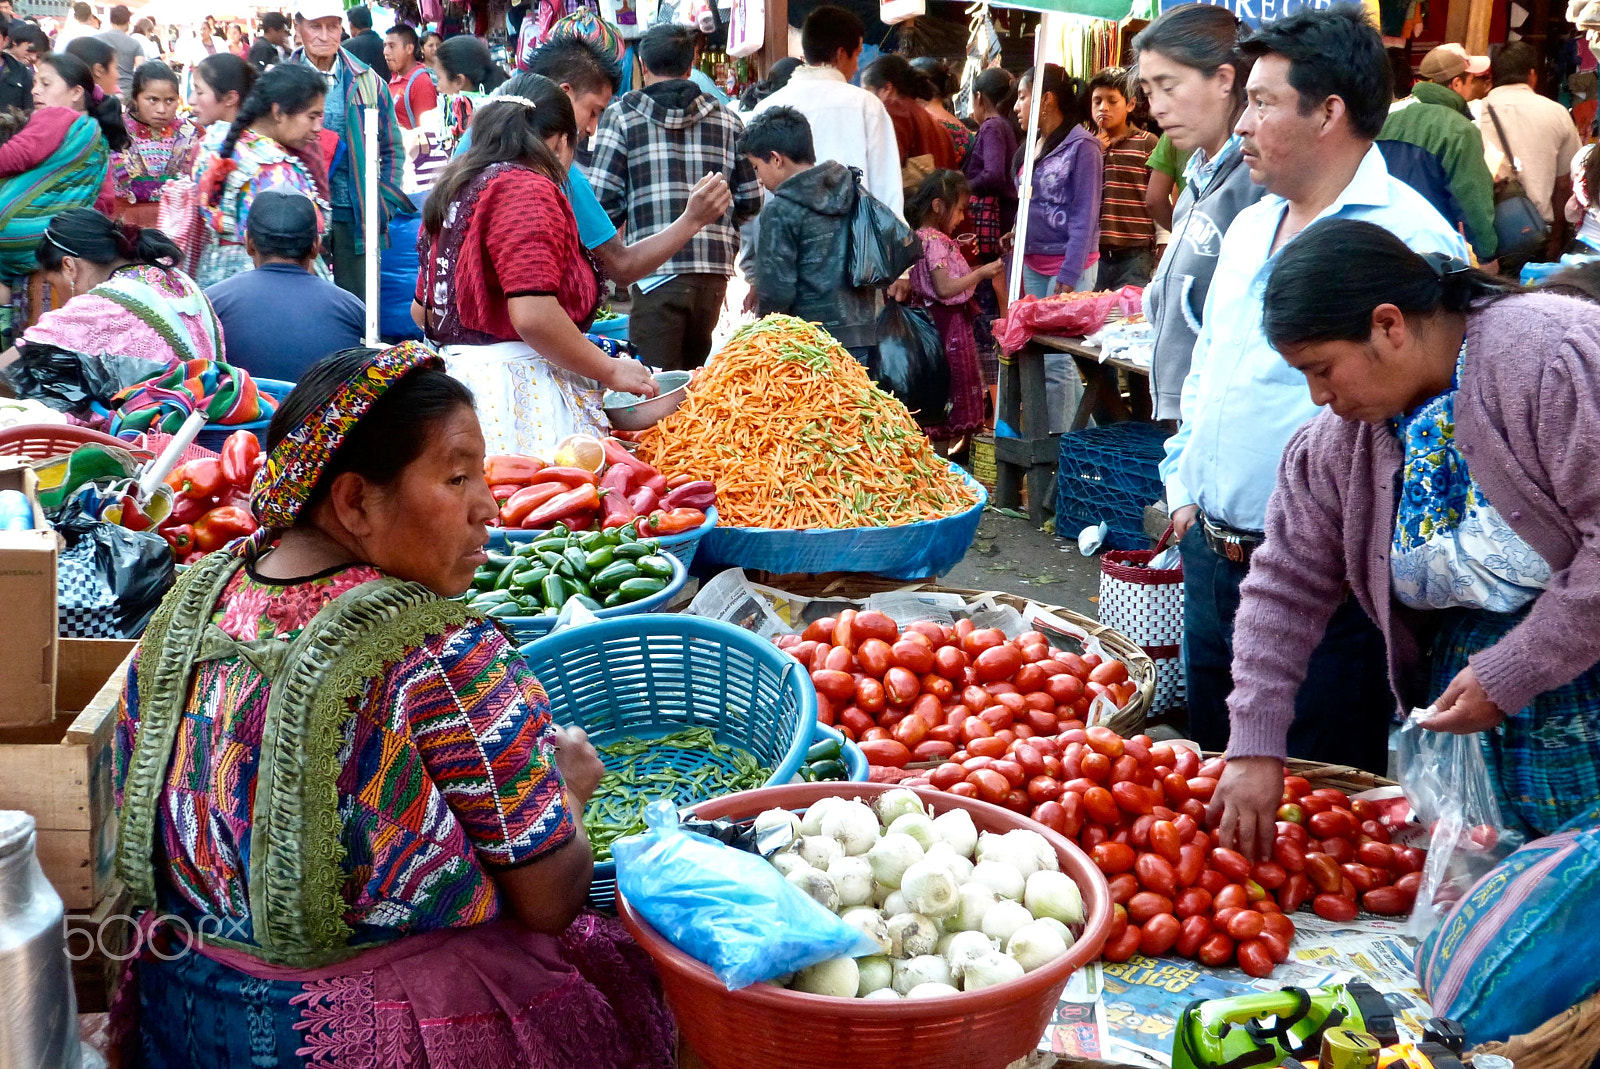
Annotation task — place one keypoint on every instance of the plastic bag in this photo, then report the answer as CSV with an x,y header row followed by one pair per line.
x,y
70,381
881,248
1447,784
725,907
1069,315
911,362
109,579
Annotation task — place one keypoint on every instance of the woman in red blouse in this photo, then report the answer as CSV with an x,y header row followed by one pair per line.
x,y
506,289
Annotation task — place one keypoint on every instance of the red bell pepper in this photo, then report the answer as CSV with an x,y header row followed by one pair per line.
x,y
643,474
180,538
239,455
670,523
187,510
222,525
585,498
201,478
643,501
679,480
616,512
696,495
511,469
618,479
525,500
502,491
573,477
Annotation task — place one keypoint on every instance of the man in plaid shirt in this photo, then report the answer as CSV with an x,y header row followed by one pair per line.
x,y
652,147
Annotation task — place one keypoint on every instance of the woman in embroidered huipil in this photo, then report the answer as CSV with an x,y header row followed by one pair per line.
x,y
128,298
161,145
1451,486
355,831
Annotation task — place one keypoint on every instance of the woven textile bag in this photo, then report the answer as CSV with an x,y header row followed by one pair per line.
x,y
1146,604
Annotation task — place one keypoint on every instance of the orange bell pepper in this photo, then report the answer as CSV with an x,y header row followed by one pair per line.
x,y
511,469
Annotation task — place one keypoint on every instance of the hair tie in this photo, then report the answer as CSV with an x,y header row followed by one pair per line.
x,y
98,95
512,98
1446,266
127,237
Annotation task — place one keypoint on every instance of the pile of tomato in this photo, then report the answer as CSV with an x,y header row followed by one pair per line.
x,y
1002,720
932,691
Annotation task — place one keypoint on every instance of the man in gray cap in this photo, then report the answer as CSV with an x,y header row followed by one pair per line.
x,y
281,318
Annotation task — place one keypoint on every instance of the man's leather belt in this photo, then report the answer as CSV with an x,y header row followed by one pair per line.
x,y
1230,543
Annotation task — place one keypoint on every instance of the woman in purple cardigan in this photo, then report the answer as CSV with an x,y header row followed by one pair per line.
x,y
1454,486
1063,211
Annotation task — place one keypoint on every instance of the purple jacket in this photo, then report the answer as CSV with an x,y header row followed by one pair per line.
x,y
1528,422
988,163
1064,212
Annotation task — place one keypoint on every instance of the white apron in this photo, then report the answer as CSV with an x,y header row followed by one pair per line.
x,y
525,403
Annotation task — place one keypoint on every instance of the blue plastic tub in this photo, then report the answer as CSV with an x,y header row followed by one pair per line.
x,y
530,628
213,435
910,551
681,546
649,676
615,329
854,760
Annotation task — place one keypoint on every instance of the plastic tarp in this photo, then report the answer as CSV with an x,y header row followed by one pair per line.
x,y
910,551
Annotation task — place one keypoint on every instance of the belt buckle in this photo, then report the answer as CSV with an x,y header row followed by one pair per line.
x,y
1235,550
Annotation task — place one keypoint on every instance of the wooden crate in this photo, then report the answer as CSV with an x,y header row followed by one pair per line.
x,y
61,772
99,943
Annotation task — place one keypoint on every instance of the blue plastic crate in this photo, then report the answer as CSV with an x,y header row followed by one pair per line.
x,y
1108,475
649,676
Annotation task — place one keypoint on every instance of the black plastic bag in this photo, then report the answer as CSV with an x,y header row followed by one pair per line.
x,y
882,248
109,579
70,381
911,362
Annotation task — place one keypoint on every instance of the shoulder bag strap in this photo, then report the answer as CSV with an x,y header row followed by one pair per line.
x,y
1504,142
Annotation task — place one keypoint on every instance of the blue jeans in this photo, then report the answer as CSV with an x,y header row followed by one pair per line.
x,y
1344,707
1062,383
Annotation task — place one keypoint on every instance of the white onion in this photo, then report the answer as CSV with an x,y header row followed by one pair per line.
x,y
922,969
1001,878
883,994
956,828
931,991
1054,895
875,975
963,947
896,803
853,825
990,969
945,854
1004,919
853,878
975,902
870,923
930,889
787,861
816,884
910,935
918,826
838,977
773,818
891,856
820,851
811,823
1035,945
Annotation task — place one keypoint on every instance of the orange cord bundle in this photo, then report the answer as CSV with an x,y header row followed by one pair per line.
x,y
797,437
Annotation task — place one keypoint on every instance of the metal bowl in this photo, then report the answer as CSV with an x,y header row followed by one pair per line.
x,y
630,412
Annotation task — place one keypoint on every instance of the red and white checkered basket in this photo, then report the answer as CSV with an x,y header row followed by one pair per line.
x,y
1147,605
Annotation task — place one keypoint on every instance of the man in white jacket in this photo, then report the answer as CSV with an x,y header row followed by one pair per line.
x,y
848,124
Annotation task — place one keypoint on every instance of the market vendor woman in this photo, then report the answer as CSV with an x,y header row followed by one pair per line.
x,y
1452,485
343,795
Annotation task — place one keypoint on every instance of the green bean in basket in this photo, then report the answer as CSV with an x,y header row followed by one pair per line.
x,y
598,569
633,780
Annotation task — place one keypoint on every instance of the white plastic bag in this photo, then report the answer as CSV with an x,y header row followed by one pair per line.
x,y
747,28
1447,784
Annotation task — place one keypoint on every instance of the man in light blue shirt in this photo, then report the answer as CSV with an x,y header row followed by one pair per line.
x,y
1317,97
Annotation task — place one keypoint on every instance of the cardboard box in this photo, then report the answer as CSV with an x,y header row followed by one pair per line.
x,y
61,771
28,593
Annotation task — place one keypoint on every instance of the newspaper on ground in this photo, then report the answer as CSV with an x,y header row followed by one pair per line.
x,y
1139,1001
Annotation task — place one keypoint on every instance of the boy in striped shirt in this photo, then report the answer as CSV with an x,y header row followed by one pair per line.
x,y
1127,233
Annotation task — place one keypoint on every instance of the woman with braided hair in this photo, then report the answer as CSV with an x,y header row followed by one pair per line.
x,y
128,297
281,116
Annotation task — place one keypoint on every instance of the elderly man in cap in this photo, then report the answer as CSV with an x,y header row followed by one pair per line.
x,y
1434,118
281,318
353,87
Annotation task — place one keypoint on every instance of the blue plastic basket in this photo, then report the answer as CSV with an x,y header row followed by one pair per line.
x,y
531,628
854,760
649,676
1109,474
615,329
681,546
213,435
910,551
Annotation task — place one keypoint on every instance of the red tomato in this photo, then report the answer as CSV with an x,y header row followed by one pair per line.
x,y
1101,806
937,687
1246,924
1192,932
1379,855
1232,896
1288,855
997,663
973,728
1216,950
916,656
1389,901
1160,933
1016,800
928,708
991,785
1334,908
1277,946
1112,858
1191,863
964,790
874,624
874,733
1104,740
1296,786
1110,672
1341,849
870,695
1042,721
1269,874
1012,771
1363,878
1131,798
1295,833
1051,814
1064,688
838,686
844,632
949,662
1186,827
1123,886
1072,806
1147,904
820,630
1255,958
1139,832
947,775
1096,766
819,657
1323,872
945,733
933,750
936,634
886,752
1186,762
873,657
911,730
1192,902
1213,767
825,713
1156,874
1175,787
976,698
984,638
1166,841
858,720
1030,677
1376,831
1124,946
1409,859
1334,824
1201,788
1213,881
1231,864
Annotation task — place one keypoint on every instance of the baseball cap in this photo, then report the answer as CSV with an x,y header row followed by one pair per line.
x,y
283,224
311,10
1450,61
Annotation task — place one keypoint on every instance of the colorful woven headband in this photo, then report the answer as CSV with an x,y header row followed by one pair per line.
x,y
285,482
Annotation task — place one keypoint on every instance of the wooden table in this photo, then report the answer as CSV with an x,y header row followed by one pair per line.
x,y
1022,407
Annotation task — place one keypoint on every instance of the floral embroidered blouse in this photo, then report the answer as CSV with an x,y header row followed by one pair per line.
x,y
153,157
939,250
1451,547
443,782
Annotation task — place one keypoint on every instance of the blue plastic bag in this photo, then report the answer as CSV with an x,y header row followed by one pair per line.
x,y
725,907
